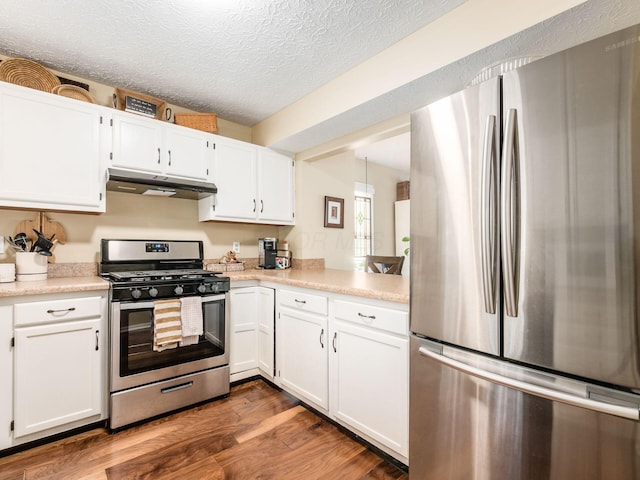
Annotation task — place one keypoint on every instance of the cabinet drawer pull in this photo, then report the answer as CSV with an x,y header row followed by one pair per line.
x,y
169,157
261,206
362,315
321,335
62,310
158,155
335,336
97,340
301,302
254,205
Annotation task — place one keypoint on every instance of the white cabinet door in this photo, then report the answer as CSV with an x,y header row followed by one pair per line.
x,y
51,155
266,338
244,329
275,187
6,375
252,329
137,142
234,173
57,374
188,151
369,382
302,354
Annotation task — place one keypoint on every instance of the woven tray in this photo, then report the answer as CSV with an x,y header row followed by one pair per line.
x,y
72,91
207,122
27,73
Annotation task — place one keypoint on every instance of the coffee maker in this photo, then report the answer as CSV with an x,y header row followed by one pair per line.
x,y
267,251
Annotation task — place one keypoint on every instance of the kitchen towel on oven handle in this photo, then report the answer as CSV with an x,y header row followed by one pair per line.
x,y
167,324
192,320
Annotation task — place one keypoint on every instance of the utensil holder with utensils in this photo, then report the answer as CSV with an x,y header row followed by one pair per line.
x,y
30,266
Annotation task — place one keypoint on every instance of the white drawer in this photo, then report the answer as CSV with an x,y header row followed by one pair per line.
x,y
302,301
373,316
57,310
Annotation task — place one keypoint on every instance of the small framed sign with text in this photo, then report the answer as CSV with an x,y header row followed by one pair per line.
x,y
333,212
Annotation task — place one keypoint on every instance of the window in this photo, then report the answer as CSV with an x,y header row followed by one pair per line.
x,y
363,224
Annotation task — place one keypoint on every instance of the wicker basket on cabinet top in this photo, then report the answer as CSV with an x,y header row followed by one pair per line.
x,y
207,122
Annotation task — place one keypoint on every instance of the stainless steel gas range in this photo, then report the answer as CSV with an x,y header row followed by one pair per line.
x,y
169,328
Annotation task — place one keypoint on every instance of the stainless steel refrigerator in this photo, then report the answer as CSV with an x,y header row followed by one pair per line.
x,y
525,263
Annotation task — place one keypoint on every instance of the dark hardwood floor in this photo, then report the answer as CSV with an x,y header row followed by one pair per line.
x,y
257,432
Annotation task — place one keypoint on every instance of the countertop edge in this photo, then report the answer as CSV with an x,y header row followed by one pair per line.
x,y
373,294
96,283
53,285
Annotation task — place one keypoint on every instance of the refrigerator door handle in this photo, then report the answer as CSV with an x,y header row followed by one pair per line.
x,y
489,225
510,213
630,412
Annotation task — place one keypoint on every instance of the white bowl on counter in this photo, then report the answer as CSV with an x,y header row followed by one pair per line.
x,y
7,272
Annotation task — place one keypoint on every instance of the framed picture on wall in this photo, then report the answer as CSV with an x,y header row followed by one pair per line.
x,y
333,212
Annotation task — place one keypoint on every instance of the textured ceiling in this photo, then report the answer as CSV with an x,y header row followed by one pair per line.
x,y
243,59
580,24
247,59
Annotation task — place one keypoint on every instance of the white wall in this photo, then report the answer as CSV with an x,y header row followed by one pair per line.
x,y
140,217
335,176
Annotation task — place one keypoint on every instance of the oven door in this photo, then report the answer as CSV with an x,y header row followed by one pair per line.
x,y
135,363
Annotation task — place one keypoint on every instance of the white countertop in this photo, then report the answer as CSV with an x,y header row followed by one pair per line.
x,y
391,288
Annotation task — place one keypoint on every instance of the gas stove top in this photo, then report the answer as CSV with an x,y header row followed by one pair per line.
x,y
160,275
147,270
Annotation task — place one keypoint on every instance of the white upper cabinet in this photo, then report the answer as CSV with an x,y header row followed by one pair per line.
x,y
52,155
255,185
137,143
275,187
188,151
153,146
234,174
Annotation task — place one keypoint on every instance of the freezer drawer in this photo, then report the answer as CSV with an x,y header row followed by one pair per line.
x,y
466,427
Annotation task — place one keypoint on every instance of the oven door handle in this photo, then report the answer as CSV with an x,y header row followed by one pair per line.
x,y
149,305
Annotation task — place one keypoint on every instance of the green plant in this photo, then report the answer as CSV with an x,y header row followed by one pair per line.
x,y
407,240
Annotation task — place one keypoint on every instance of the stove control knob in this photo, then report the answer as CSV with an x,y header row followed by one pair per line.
x,y
178,290
135,293
153,291
202,288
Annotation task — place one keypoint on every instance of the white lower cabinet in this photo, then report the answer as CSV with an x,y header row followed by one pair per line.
x,y
350,360
57,375
59,354
252,330
302,363
370,372
6,375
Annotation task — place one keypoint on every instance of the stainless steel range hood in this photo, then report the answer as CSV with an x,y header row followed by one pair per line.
x,y
121,180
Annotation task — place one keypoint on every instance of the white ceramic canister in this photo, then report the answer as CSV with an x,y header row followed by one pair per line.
x,y
31,266
7,272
